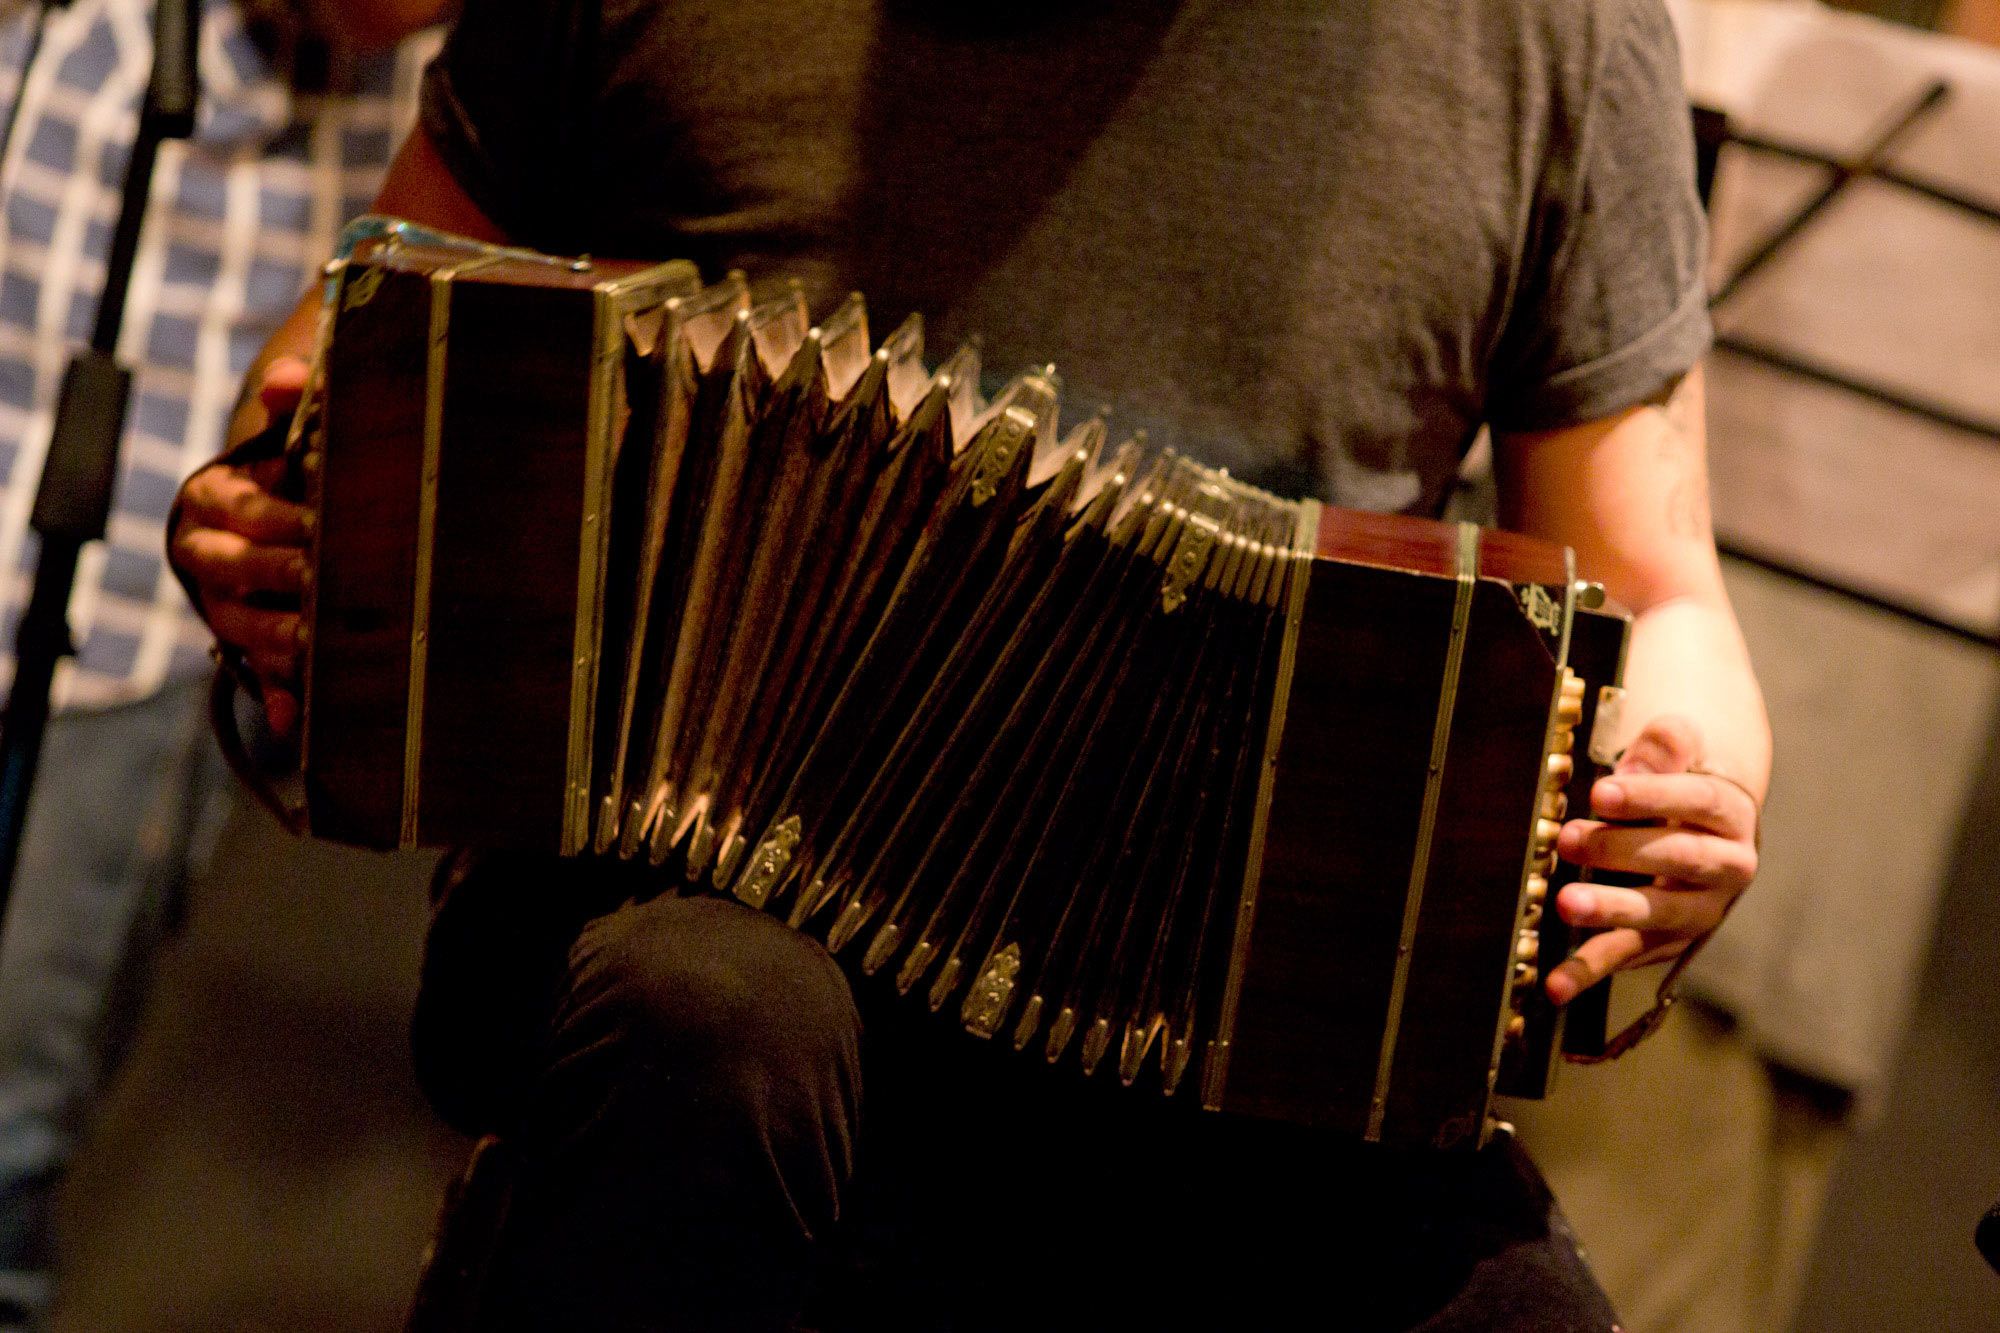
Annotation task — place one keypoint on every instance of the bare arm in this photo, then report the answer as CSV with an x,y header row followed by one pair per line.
x,y
1631,495
371,25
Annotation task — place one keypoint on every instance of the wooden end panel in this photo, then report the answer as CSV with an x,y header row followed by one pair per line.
x,y
365,555
1462,964
1346,804
503,595
1388,541
1519,558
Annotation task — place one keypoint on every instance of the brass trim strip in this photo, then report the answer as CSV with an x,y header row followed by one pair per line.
x,y
420,592
1569,608
1461,617
1297,569
593,540
335,275
612,300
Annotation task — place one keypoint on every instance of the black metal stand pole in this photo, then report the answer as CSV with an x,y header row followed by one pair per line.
x,y
73,501
1866,163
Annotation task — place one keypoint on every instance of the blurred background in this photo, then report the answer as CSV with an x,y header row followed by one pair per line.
x,y
1809,1149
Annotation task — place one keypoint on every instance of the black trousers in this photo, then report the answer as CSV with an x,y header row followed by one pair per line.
x,y
716,1131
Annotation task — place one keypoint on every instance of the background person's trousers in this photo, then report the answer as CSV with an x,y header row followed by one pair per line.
x,y
711,1135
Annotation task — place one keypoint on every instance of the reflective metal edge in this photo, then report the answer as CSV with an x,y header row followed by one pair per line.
x,y
677,273
1528,857
611,301
420,583
1569,606
1215,1063
335,274
1467,570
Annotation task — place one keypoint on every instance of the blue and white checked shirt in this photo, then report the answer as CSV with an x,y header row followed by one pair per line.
x,y
239,221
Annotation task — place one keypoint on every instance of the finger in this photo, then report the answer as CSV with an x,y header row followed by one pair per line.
x,y
269,634
1694,799
1613,951
1594,960
268,475
230,566
1668,744
1661,910
283,385
281,710
223,497
273,670
1672,853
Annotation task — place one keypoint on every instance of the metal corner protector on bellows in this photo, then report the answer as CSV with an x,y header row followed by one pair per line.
x,y
420,583
1529,859
611,300
1297,574
1467,573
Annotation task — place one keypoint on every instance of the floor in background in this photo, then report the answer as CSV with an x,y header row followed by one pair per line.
x,y
265,1164
1895,1250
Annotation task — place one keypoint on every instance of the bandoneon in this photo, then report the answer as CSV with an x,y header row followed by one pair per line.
x,y
1095,751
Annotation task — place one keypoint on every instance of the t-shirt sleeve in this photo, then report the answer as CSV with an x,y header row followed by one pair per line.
x,y
1611,306
507,102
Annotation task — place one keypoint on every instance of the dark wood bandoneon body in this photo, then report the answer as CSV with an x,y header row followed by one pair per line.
x,y
1346,829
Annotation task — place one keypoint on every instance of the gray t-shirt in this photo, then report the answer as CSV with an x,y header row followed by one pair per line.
x,y
1319,244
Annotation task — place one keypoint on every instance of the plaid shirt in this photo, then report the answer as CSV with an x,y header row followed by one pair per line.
x,y
239,221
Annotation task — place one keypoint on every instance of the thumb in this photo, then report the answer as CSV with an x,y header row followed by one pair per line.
x,y
1668,744
283,384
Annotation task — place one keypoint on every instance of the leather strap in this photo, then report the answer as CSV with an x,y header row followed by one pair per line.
x,y
1646,1024
231,676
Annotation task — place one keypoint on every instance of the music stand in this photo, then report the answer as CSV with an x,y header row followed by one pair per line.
x,y
1869,162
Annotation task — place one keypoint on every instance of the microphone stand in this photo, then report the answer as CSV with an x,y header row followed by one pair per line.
x,y
73,501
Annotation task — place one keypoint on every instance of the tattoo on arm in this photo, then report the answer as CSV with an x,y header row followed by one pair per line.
x,y
1686,491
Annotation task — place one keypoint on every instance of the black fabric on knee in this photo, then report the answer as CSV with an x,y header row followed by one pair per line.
x,y
689,1130
494,961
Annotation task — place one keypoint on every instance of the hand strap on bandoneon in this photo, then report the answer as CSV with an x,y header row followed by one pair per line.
x,y
233,675
1646,1024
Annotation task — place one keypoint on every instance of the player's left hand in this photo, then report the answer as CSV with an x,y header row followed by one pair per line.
x,y
1658,813
242,548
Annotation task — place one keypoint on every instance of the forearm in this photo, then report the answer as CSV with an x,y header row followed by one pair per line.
x,y
1687,658
373,25
1631,496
